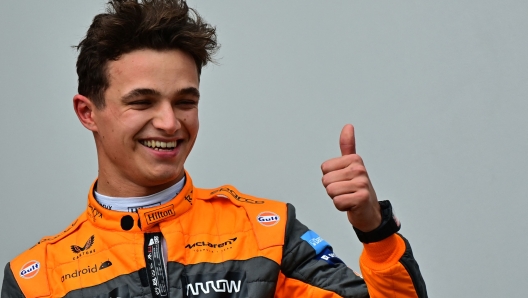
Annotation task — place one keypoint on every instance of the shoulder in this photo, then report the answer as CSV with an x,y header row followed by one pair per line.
x,y
29,269
238,198
268,217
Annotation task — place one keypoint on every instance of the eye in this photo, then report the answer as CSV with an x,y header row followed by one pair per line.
x,y
187,103
141,103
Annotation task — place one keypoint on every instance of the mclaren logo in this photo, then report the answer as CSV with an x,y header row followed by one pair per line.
x,y
218,286
211,245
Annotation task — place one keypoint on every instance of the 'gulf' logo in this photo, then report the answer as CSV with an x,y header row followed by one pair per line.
x,y
30,269
268,218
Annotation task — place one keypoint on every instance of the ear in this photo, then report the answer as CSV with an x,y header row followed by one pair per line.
x,y
84,108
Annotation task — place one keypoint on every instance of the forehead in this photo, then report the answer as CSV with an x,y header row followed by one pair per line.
x,y
153,69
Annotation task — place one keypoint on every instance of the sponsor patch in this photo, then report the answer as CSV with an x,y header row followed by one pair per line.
x,y
318,243
87,270
159,214
77,249
30,269
207,246
93,213
215,285
188,197
85,250
268,218
329,256
156,265
135,209
236,196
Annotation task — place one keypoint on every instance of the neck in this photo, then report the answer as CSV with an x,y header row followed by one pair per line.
x,y
116,186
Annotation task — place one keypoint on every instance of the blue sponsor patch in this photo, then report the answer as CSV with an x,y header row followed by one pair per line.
x,y
329,256
318,243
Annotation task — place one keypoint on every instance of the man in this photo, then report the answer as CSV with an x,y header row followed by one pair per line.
x,y
149,232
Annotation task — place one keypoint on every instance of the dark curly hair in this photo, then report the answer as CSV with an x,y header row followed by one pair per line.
x,y
130,25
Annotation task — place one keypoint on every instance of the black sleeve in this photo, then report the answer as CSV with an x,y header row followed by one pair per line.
x,y
10,288
316,264
410,264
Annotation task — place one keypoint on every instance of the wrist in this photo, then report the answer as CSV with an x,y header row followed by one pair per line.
x,y
388,226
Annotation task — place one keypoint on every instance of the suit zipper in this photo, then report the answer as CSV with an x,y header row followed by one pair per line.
x,y
157,276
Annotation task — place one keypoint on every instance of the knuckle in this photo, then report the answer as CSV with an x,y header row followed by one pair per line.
x,y
348,158
362,182
324,180
359,170
340,204
358,159
355,170
332,190
362,196
324,167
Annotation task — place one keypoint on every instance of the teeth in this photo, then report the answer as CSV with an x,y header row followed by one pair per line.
x,y
156,145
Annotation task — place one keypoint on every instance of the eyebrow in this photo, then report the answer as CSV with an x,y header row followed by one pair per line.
x,y
153,92
189,91
138,93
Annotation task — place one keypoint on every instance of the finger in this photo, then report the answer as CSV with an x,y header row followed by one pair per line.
x,y
347,140
351,201
347,187
346,174
341,162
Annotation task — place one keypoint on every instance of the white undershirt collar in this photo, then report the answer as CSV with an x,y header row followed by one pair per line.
x,y
132,204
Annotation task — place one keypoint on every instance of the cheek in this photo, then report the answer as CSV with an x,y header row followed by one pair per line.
x,y
132,122
190,121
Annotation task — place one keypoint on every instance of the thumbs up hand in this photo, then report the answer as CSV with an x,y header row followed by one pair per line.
x,y
347,182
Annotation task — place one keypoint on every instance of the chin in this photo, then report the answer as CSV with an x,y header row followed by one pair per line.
x,y
165,177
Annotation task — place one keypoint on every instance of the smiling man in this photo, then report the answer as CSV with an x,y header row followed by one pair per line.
x,y
149,232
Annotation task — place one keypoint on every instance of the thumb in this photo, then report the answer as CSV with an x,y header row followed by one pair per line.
x,y
347,140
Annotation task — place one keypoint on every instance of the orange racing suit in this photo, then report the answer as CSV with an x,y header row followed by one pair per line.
x,y
219,243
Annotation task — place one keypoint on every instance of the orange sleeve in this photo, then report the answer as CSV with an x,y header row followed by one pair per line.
x,y
390,270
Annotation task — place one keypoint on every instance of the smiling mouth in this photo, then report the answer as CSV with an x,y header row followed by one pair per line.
x,y
158,145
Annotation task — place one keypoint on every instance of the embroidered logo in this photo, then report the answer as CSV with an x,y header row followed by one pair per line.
x,y
85,250
207,246
215,285
87,270
159,214
94,213
268,218
30,269
77,249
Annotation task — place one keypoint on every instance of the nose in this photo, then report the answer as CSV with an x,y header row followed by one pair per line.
x,y
165,118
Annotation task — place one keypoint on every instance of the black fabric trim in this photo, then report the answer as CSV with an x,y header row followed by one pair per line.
x,y
299,262
10,288
410,264
260,282
387,227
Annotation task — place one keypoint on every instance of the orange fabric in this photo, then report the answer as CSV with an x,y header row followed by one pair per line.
x,y
199,225
205,225
289,287
384,275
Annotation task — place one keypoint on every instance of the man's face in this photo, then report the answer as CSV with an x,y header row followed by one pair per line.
x,y
150,122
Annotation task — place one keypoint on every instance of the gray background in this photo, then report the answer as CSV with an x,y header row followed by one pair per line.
x,y
436,89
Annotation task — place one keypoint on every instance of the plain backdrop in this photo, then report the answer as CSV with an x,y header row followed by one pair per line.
x,y
437,91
